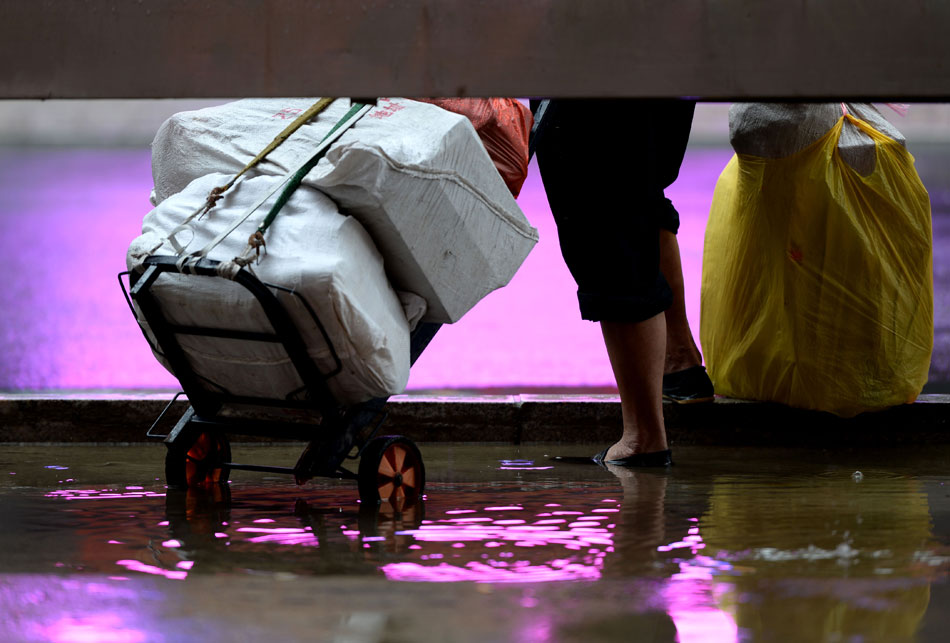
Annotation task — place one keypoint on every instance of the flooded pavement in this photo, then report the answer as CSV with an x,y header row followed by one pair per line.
x,y
728,545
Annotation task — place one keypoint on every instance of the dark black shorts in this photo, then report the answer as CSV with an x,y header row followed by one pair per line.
x,y
605,165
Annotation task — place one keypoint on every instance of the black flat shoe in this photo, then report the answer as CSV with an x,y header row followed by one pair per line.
x,y
652,459
689,386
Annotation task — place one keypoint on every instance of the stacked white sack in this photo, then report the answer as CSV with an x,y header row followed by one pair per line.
x,y
778,130
328,258
416,176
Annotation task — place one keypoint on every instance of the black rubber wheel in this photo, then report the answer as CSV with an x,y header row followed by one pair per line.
x,y
197,459
391,470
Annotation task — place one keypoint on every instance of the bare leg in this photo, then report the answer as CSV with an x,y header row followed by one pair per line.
x,y
636,353
681,350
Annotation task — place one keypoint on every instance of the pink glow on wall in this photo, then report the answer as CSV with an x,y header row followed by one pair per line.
x,y
67,214
67,217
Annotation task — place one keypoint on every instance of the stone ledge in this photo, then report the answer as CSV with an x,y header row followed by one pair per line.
x,y
121,417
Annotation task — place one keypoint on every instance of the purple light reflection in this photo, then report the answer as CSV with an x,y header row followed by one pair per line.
x,y
520,538
303,540
501,542
100,494
93,628
70,609
483,573
288,536
139,566
521,465
691,598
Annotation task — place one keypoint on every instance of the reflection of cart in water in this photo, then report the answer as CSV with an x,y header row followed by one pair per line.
x,y
334,536
460,534
199,453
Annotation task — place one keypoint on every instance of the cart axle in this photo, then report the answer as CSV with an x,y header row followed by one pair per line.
x,y
340,473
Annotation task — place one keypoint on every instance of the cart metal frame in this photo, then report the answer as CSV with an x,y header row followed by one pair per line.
x,y
330,440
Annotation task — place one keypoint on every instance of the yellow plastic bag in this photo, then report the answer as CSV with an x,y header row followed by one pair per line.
x,y
817,288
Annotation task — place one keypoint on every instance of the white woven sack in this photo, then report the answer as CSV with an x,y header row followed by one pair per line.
x,y
416,176
328,258
777,130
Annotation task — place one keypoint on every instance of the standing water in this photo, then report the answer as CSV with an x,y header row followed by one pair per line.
x,y
727,545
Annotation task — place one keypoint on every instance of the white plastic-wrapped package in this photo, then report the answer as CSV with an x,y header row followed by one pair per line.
x,y
778,130
326,257
416,176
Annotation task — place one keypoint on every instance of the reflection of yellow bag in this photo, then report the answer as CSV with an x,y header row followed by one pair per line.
x,y
828,540
817,288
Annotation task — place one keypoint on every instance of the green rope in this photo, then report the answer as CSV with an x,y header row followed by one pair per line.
x,y
298,177
312,111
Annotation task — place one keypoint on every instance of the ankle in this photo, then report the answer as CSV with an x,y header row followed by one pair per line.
x,y
681,360
628,446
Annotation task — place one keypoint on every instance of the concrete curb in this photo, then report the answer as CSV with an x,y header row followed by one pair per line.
x,y
514,419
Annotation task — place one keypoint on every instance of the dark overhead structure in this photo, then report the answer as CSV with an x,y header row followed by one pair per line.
x,y
709,49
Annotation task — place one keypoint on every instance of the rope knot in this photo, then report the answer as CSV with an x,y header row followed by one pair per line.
x,y
256,241
213,198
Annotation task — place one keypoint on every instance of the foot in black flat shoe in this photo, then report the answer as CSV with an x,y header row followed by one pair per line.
x,y
689,386
652,459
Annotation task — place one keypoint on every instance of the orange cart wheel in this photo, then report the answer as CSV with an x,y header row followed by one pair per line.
x,y
198,461
391,470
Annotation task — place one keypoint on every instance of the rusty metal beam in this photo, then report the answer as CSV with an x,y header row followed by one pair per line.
x,y
711,49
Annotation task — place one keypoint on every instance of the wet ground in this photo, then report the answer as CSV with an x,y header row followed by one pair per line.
x,y
730,544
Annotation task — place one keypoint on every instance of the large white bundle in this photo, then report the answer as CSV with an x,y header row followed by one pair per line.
x,y
328,258
416,176
778,130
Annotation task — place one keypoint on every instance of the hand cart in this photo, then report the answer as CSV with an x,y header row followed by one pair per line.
x,y
198,452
